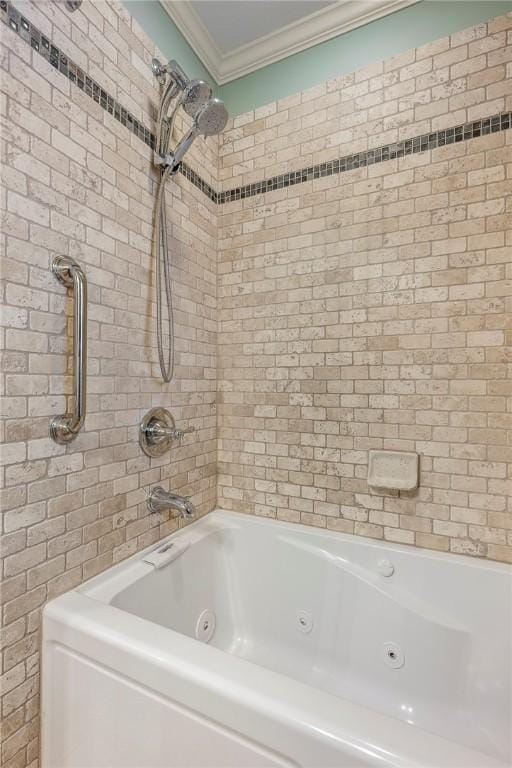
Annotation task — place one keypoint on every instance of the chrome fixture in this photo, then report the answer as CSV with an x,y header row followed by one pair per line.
x,y
65,428
209,117
195,94
161,500
173,69
209,120
158,71
157,431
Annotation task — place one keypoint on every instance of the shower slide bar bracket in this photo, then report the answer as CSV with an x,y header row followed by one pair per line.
x,y
65,428
167,161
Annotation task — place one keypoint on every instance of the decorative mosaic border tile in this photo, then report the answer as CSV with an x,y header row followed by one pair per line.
x,y
198,182
28,32
58,59
423,143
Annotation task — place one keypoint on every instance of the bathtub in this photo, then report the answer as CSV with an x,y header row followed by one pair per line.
x,y
241,641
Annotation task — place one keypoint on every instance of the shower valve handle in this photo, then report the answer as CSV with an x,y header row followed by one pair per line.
x,y
180,432
158,430
161,431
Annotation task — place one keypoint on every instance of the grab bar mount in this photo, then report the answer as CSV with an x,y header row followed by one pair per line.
x,y
64,428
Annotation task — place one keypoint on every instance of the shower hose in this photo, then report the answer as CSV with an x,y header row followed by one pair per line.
x,y
163,275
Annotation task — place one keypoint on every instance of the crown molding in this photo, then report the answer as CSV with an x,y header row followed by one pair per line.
x,y
196,34
304,33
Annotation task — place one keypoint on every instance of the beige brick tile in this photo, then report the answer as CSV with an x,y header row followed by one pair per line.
x,y
358,311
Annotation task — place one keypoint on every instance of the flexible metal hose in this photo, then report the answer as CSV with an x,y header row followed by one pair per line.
x,y
209,117
163,274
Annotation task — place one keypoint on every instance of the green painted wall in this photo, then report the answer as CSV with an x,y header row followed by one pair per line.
x,y
380,39
161,28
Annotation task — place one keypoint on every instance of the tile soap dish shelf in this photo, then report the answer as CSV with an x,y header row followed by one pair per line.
x,y
393,470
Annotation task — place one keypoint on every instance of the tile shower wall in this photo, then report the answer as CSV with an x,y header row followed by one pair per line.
x,y
77,181
359,310
368,309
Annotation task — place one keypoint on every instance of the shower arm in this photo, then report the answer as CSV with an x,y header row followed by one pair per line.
x,y
173,69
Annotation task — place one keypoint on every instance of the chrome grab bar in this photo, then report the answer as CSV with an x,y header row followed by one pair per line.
x,y
65,428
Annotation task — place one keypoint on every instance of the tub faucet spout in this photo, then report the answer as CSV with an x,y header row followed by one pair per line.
x,y
161,500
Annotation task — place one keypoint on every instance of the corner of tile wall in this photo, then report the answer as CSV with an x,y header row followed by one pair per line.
x,y
364,298
334,291
77,121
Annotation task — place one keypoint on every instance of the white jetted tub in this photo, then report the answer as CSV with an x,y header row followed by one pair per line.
x,y
247,642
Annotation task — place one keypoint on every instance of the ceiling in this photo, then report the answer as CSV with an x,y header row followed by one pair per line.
x,y
235,37
232,24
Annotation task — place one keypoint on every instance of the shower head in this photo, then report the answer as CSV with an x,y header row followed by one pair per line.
x,y
195,95
192,96
211,119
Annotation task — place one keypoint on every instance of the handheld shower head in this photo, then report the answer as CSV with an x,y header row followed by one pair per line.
x,y
211,119
192,96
